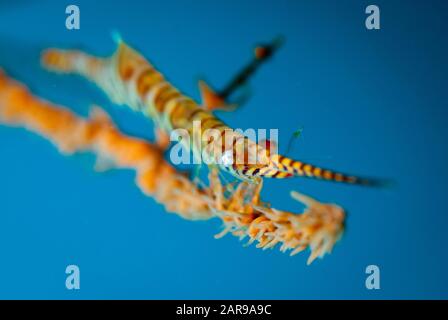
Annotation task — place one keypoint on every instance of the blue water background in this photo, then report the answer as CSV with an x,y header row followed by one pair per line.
x,y
370,102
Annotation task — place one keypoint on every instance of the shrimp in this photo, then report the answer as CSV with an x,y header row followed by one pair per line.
x,y
129,79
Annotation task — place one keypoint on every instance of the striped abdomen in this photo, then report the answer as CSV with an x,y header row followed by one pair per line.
x,y
158,97
148,91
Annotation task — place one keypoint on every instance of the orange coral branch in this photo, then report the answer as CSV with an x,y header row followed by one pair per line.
x,y
154,175
239,207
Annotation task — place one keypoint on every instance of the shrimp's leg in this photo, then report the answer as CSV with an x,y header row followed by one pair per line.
x,y
219,99
162,138
211,100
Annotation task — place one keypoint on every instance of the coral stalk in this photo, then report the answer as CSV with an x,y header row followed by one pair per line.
x,y
240,208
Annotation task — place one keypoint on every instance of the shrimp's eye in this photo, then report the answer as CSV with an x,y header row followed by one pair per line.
x,y
227,158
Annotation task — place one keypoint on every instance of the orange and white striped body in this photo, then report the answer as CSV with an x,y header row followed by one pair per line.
x,y
129,79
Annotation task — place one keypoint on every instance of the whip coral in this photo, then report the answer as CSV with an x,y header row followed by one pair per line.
x,y
239,206
319,227
154,176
